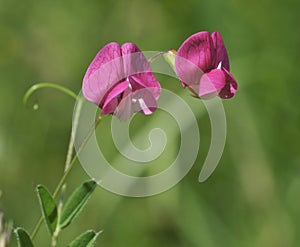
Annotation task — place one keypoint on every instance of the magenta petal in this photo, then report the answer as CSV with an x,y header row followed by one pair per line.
x,y
105,70
143,101
146,80
198,49
111,101
211,83
220,51
124,109
188,73
230,87
134,61
138,69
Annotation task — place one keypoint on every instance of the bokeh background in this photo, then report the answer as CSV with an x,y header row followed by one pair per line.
x,y
252,199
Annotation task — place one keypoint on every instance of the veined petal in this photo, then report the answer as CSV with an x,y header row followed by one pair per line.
x,y
111,99
211,83
138,70
188,73
230,87
105,71
220,51
198,49
146,80
134,61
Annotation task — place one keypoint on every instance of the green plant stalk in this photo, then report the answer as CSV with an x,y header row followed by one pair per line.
x,y
67,172
67,164
73,133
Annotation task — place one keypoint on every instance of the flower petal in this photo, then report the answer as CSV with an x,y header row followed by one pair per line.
x,y
134,60
230,87
111,99
124,109
143,101
103,73
188,73
198,49
211,83
138,70
220,51
146,80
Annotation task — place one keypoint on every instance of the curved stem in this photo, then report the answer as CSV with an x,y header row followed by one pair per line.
x,y
67,171
38,86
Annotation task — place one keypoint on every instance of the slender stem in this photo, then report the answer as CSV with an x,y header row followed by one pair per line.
x,y
57,230
67,172
73,133
67,164
86,139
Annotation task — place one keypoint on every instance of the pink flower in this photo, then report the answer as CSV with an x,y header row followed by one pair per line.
x,y
202,65
120,81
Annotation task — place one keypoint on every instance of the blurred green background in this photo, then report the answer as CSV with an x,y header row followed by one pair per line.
x,y
252,199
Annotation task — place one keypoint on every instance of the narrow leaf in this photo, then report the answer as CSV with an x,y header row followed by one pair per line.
x,y
86,239
23,238
48,207
76,202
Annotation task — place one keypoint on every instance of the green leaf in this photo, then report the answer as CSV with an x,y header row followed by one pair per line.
x,y
86,239
170,58
76,202
23,238
48,207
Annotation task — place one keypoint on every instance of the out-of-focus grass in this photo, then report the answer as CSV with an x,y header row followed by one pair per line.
x,y
253,197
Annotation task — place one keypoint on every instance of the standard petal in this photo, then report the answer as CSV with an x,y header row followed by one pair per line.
x,y
198,49
188,73
138,69
230,87
212,83
220,51
112,98
103,73
134,61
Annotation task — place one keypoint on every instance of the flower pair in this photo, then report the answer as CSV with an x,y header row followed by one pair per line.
x,y
120,80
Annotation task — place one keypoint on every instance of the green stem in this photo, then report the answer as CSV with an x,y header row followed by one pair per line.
x,y
73,133
38,86
67,172
67,164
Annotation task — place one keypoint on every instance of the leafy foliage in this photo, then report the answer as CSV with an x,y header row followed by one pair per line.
x,y
76,202
48,208
23,238
86,239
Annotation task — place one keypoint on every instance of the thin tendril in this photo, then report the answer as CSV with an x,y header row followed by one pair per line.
x,y
38,86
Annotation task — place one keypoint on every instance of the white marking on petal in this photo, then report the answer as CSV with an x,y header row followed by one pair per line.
x,y
144,107
129,85
219,65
